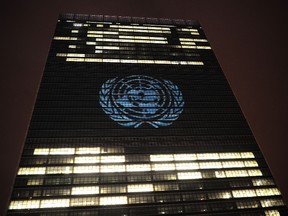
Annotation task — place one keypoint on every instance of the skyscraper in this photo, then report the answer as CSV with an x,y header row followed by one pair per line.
x,y
135,117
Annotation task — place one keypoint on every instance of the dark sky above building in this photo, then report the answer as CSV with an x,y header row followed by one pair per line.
x,y
249,39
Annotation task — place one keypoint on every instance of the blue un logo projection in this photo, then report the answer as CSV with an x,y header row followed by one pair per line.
x,y
139,99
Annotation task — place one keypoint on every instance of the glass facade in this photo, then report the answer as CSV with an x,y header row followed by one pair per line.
x,y
135,117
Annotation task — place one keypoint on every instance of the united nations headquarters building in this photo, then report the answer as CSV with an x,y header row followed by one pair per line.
x,y
134,117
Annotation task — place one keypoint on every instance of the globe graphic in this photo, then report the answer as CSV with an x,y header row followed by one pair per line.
x,y
139,99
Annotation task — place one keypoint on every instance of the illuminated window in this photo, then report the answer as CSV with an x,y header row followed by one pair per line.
x,y
272,213
74,31
35,182
77,24
72,46
113,200
189,175
92,60
128,61
229,164
62,151
247,155
262,182
88,150
112,159
188,47
138,167
251,163
193,39
236,173
165,187
184,157
247,204
243,193
163,166
85,190
194,63
203,47
229,155
187,166
75,59
41,151
85,201
103,32
31,171
75,55
86,169
91,43
220,174
162,157
220,195
111,60
268,192
187,43
208,156
255,172
88,159
59,170
271,202
55,203
112,168
139,188
65,38
210,165
108,47
24,204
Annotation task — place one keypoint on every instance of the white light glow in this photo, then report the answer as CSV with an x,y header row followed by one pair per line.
x,y
140,188
113,200
55,203
189,175
85,190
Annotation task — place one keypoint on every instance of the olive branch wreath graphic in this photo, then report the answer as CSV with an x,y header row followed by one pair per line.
x,y
168,114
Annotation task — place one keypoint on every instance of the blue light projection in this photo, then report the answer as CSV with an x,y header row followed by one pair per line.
x,y
138,99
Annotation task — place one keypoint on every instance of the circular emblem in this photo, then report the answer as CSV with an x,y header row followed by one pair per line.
x,y
138,99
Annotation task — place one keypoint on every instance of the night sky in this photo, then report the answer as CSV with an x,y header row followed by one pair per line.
x,y
248,37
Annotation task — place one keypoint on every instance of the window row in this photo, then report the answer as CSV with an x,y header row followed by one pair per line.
x,y
142,188
76,180
139,167
152,157
124,200
134,61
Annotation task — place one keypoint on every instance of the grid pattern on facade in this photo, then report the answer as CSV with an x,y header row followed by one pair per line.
x,y
91,153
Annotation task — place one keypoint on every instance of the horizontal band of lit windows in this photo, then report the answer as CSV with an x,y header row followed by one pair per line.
x,y
85,190
80,24
103,32
153,157
201,156
190,47
67,151
74,31
140,168
187,43
122,200
131,40
65,38
134,61
62,203
139,27
193,39
188,29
